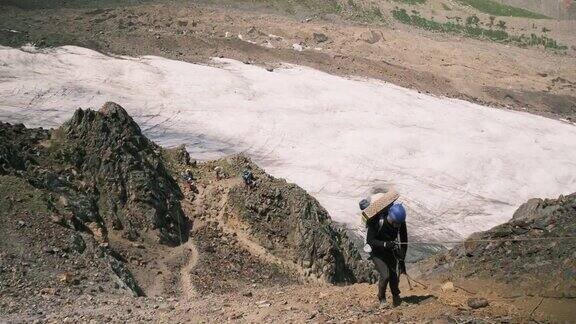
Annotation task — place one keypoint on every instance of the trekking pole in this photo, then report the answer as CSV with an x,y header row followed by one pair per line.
x,y
405,273
416,281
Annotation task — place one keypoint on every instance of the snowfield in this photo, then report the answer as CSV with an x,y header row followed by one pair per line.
x,y
459,167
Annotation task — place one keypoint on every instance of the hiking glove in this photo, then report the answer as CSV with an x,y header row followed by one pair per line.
x,y
391,245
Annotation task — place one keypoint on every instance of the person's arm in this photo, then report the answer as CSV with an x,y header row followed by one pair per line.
x,y
403,239
371,237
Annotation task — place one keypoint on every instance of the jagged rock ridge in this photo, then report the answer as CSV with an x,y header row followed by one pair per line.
x,y
133,188
102,170
293,225
541,262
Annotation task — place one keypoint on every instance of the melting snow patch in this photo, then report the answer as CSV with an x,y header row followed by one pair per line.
x,y
459,167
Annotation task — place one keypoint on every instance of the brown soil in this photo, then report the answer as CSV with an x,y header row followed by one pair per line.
x,y
530,79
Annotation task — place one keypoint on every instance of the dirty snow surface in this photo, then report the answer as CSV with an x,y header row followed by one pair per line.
x,y
459,167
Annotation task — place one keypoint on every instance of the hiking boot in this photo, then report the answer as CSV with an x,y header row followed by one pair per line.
x,y
396,300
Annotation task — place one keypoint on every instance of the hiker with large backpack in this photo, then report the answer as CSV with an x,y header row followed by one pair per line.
x,y
386,222
248,177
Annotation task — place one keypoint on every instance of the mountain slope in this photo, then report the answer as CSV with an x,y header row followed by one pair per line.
x,y
262,253
94,207
543,262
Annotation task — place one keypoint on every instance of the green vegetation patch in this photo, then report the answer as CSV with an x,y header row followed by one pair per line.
x,y
358,12
492,7
472,29
372,15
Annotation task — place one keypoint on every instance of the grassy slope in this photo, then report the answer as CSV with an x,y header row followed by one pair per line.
x,y
497,9
474,30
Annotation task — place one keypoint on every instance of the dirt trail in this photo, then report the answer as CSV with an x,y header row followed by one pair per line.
x,y
157,287
163,282
187,287
230,224
314,303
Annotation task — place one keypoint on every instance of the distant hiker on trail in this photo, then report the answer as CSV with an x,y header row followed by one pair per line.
x,y
386,220
188,177
248,177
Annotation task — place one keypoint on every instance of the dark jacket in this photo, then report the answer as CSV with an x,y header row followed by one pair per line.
x,y
378,235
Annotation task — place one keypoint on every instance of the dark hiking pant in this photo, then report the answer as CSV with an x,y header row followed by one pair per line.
x,y
386,267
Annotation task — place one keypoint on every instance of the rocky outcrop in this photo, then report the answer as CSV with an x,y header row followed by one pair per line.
x,y
535,249
95,174
44,261
132,187
292,225
103,172
19,147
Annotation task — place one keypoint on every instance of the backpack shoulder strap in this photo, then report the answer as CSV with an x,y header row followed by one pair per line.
x,y
380,223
